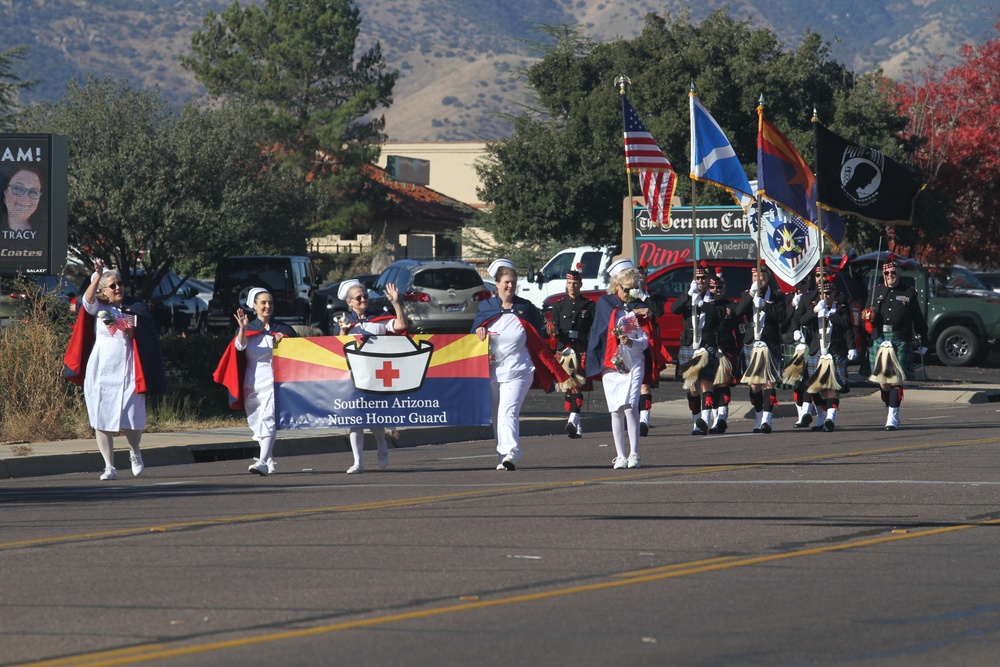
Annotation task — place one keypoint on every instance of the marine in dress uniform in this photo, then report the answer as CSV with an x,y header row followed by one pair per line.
x,y
570,327
893,319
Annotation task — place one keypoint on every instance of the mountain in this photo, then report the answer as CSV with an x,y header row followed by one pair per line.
x,y
460,60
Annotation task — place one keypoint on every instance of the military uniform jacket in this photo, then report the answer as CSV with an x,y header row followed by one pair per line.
x,y
774,317
573,319
710,328
897,310
794,314
840,337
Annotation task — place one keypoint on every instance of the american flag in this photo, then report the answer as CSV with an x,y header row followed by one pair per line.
x,y
656,175
124,323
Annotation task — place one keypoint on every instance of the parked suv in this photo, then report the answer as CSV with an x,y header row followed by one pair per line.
x,y
289,278
437,296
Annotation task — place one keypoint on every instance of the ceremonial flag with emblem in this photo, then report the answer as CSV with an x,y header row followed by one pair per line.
x,y
390,381
656,176
784,177
713,159
862,181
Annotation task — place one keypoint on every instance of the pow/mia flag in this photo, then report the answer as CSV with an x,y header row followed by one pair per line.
x,y
862,181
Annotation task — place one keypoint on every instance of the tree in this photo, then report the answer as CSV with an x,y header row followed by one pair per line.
x,y
10,84
150,185
954,124
561,175
293,63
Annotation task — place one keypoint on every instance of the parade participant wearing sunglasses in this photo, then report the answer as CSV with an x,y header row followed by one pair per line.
x,y
892,321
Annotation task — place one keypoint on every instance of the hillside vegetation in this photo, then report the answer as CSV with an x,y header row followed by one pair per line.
x,y
460,60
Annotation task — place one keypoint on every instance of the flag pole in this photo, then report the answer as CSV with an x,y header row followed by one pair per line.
x,y
760,222
695,333
628,230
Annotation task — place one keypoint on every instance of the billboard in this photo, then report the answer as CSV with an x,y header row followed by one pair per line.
x,y
33,203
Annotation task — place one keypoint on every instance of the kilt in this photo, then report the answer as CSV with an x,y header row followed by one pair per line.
x,y
776,360
707,372
904,353
839,364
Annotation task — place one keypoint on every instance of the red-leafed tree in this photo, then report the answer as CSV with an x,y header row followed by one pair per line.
x,y
955,128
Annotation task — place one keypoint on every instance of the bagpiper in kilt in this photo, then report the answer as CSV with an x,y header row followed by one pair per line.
x,y
828,318
729,351
768,306
698,359
569,329
892,320
795,338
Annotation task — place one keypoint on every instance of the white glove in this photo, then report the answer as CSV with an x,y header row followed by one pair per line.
x,y
820,308
694,288
796,299
797,336
852,355
697,300
922,351
833,307
758,302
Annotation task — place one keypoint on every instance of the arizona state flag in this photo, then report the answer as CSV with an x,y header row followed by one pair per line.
x,y
862,181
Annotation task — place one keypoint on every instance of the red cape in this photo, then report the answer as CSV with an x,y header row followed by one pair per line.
x,y
548,370
229,373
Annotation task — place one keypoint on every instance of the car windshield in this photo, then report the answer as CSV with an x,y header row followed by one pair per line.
x,y
959,277
447,278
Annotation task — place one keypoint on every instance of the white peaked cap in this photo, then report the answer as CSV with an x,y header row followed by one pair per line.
x,y
499,264
620,265
345,288
252,295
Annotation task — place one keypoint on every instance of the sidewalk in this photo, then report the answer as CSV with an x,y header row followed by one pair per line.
x,y
181,447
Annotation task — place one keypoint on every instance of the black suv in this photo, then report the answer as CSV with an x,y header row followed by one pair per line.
x,y
289,278
438,296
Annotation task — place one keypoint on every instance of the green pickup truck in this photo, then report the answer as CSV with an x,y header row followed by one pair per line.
x,y
963,323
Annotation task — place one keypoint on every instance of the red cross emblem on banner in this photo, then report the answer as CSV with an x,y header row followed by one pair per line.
x,y
387,373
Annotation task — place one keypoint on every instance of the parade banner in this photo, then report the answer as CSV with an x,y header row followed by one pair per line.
x,y
390,381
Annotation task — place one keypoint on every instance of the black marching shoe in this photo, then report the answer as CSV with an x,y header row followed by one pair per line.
x,y
765,428
891,428
722,426
828,426
700,427
804,421
571,429
643,429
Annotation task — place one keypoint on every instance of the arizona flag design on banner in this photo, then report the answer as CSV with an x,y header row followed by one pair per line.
x,y
390,381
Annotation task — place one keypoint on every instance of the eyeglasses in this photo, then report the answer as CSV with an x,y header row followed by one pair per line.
x,y
701,278
889,273
360,297
19,190
113,286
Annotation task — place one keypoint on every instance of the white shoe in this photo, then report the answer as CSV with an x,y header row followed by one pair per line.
x,y
383,459
620,463
108,474
272,466
355,470
633,460
508,462
136,461
258,467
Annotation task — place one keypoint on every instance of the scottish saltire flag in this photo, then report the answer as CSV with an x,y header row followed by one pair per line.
x,y
391,381
788,245
785,178
862,181
713,159
656,176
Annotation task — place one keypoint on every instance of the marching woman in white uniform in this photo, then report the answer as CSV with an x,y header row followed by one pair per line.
x,y
257,339
115,353
519,359
356,324
615,354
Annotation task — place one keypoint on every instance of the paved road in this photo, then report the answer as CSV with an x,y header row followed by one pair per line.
x,y
856,547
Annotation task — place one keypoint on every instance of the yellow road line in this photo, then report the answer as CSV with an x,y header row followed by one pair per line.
x,y
461,495
158,652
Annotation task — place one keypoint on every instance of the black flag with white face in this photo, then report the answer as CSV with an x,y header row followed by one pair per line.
x,y
862,181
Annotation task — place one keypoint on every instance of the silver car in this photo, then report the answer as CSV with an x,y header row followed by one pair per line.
x,y
438,296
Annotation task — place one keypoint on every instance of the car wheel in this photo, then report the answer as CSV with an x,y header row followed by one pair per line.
x,y
957,346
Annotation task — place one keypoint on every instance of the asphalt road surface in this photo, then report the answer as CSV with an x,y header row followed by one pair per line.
x,y
856,547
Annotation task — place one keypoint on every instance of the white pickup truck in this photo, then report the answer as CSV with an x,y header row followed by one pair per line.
x,y
591,262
